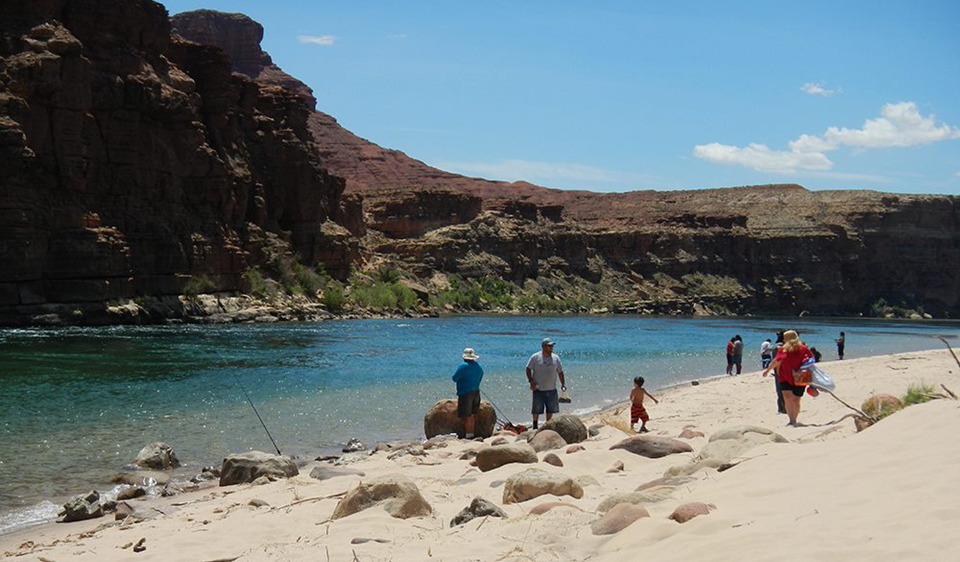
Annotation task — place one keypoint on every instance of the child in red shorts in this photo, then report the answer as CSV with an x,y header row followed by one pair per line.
x,y
637,411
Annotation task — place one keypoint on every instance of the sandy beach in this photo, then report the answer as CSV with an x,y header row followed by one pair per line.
x,y
887,493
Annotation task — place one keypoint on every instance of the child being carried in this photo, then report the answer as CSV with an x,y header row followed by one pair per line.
x,y
637,411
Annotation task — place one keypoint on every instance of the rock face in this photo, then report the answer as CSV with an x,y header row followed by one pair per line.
x,y
443,419
84,506
157,456
135,163
489,458
533,483
397,494
249,466
546,440
569,426
479,507
652,447
618,519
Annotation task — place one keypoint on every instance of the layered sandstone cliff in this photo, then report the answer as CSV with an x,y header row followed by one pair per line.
x,y
135,162
138,162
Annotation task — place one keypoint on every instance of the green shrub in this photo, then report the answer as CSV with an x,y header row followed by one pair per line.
x,y
920,393
198,284
484,293
258,286
382,295
387,275
332,297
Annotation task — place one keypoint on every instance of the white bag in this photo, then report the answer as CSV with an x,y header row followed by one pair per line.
x,y
821,379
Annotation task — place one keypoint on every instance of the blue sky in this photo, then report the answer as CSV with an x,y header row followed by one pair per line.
x,y
613,96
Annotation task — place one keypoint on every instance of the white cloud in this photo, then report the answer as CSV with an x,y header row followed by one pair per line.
x,y
899,125
817,89
323,40
761,158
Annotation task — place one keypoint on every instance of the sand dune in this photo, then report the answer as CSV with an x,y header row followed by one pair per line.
x,y
888,493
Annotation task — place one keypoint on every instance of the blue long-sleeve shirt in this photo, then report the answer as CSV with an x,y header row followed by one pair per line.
x,y
468,377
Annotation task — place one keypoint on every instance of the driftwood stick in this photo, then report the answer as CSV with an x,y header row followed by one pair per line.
x,y
946,343
860,412
948,391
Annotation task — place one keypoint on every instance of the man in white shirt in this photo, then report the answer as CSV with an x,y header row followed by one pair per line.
x,y
543,369
766,354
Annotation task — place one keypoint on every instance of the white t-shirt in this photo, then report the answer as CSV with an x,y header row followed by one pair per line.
x,y
545,370
765,348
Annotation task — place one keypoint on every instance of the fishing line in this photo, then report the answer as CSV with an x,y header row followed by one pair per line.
x,y
237,380
499,411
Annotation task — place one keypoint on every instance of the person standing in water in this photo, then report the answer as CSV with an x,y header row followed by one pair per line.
x,y
738,353
468,377
543,369
841,342
766,353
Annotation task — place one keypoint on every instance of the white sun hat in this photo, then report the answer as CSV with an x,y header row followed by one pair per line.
x,y
469,355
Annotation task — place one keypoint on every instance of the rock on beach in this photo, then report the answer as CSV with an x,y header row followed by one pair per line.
x,y
652,447
157,456
397,494
249,466
533,483
489,458
569,426
443,419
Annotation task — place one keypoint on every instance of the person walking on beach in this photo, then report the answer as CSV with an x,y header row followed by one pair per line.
x,y
543,369
637,411
766,353
788,361
738,353
730,357
468,377
774,350
841,341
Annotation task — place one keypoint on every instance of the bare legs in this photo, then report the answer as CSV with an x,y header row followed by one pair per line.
x,y
468,424
792,402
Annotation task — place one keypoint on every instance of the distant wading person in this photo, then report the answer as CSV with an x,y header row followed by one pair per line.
x,y
468,377
738,353
841,342
730,356
543,369
788,361
766,353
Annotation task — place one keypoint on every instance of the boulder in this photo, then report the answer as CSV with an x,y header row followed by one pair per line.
x,y
690,510
552,458
546,440
130,493
479,507
208,473
881,405
533,483
501,440
575,449
547,506
586,480
526,436
249,466
618,518
688,433
353,445
328,472
647,496
594,429
569,426
397,494
442,419
157,456
726,445
489,458
144,478
82,507
652,447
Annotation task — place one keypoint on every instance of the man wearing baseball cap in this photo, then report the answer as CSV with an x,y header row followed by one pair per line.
x,y
543,369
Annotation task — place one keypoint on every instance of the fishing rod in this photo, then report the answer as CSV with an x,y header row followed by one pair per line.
x,y
252,405
495,407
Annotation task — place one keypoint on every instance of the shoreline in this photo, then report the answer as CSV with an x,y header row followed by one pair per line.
x,y
681,404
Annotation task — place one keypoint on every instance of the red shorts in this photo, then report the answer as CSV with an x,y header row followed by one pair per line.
x,y
638,412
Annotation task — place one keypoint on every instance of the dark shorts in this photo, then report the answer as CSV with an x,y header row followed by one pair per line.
x,y
729,359
468,404
737,359
545,400
638,412
796,389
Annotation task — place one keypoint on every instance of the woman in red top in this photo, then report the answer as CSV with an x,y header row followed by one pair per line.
x,y
788,361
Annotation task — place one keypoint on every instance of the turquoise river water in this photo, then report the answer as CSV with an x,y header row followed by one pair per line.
x,y
77,404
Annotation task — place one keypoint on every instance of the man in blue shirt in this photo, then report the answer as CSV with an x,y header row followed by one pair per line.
x,y
468,377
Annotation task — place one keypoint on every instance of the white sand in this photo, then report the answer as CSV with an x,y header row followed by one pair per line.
x,y
891,492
